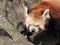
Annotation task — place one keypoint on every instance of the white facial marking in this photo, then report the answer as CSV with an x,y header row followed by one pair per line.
x,y
28,20
33,27
42,25
36,29
45,15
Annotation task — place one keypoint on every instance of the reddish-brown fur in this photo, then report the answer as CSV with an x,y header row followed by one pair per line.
x,y
39,8
35,14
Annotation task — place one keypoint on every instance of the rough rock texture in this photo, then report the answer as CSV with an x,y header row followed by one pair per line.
x,y
11,36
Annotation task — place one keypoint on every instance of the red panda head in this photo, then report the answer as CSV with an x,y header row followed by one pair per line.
x,y
37,19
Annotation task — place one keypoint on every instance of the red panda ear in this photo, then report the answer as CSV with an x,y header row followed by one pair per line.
x,y
26,8
46,14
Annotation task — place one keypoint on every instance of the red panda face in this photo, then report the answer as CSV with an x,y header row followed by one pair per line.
x,y
37,19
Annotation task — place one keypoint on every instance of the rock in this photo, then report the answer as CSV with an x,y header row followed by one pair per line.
x,y
9,18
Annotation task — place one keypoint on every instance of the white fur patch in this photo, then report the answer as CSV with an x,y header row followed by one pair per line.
x,y
33,27
42,25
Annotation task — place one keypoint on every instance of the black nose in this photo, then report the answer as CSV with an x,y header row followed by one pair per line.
x,y
33,30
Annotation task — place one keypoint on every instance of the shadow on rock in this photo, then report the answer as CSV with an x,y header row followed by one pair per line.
x,y
4,33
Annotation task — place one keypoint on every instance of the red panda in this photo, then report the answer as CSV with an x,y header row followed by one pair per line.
x,y
39,15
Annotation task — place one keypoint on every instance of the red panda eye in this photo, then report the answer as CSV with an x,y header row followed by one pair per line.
x,y
28,26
